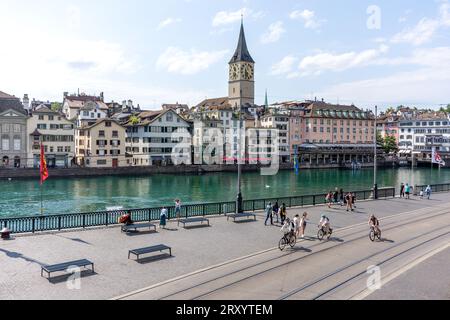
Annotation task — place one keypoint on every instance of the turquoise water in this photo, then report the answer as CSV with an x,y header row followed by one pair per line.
x,y
22,197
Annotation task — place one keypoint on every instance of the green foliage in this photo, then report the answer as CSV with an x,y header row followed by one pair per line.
x,y
56,106
134,120
389,144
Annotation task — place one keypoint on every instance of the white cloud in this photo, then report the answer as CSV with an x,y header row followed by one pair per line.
x,y
274,33
427,84
168,22
175,60
223,18
426,28
321,62
284,66
423,32
444,11
308,17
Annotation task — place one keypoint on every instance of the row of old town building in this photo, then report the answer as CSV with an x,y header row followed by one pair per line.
x,y
86,131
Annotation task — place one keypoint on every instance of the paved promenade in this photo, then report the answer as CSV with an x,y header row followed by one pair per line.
x,y
193,249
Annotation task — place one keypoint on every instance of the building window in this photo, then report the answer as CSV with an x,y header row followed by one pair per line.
x,y
108,124
42,126
115,134
41,117
101,162
101,133
60,149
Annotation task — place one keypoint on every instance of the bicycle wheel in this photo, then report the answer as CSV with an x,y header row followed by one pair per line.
x,y
293,241
320,234
282,244
372,235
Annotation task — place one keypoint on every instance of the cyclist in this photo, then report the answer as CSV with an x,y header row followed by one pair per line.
x,y
324,223
374,223
288,226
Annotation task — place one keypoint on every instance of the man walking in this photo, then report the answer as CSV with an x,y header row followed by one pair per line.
x,y
269,214
428,192
178,208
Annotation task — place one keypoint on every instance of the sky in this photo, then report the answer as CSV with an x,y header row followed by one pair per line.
x,y
369,53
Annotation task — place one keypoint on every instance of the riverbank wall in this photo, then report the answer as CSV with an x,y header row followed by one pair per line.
x,y
29,173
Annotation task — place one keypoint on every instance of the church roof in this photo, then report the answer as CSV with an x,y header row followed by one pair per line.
x,y
242,54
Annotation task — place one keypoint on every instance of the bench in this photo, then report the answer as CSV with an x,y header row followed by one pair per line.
x,y
127,228
240,215
138,252
64,266
192,220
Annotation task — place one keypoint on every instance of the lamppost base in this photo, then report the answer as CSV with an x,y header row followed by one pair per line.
x,y
239,204
375,192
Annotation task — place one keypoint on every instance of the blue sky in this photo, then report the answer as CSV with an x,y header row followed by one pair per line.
x,y
369,53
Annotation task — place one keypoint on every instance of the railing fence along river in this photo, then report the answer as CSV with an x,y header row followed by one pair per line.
x,y
107,218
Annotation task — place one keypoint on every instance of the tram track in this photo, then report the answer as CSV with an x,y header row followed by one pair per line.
x,y
387,227
340,270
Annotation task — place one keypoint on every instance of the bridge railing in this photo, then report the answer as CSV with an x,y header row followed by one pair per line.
x,y
60,222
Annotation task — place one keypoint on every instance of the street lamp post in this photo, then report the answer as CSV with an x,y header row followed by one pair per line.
x,y
375,185
239,206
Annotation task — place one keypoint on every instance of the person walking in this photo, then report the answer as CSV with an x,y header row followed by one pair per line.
x,y
428,192
178,208
353,201
163,218
336,195
329,199
275,211
297,225
303,223
269,214
283,213
348,201
402,190
407,190
341,197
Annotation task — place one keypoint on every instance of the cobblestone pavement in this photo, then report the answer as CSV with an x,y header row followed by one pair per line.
x,y
193,249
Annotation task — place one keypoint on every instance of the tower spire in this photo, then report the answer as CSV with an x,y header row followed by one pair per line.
x,y
242,54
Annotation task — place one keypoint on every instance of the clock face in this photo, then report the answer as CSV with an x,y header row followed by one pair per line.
x,y
247,71
234,72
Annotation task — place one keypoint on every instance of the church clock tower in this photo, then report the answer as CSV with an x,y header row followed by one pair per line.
x,y
242,75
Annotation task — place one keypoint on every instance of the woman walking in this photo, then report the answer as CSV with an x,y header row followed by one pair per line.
x,y
348,200
303,223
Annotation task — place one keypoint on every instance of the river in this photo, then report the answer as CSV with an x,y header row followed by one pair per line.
x,y
22,197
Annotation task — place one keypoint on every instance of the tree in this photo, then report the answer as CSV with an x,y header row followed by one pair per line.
x,y
390,144
56,106
390,110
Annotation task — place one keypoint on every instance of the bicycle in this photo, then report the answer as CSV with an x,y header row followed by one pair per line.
x,y
288,239
322,233
374,234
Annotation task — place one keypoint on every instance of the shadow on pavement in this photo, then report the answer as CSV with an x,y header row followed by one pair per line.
x,y
140,233
197,227
17,255
66,277
151,259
